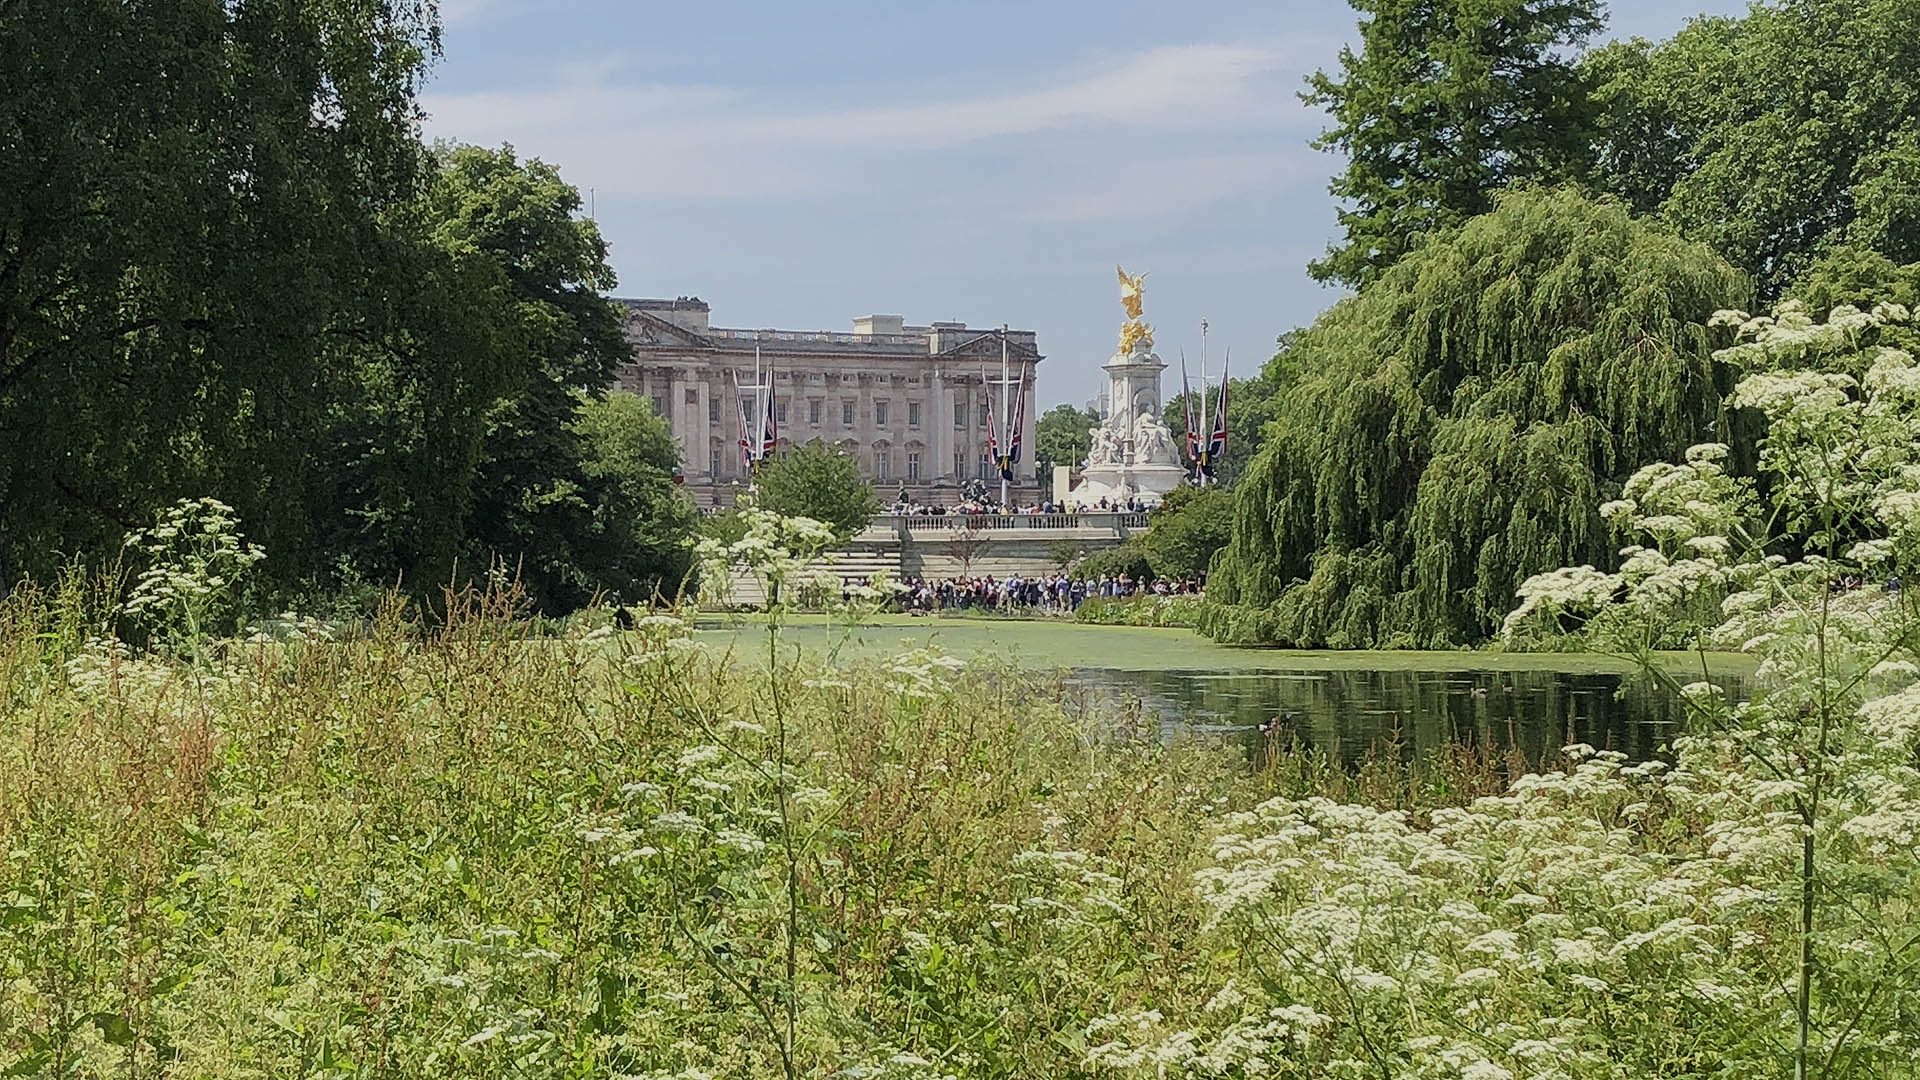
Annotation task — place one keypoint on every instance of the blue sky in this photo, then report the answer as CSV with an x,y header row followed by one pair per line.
x,y
797,164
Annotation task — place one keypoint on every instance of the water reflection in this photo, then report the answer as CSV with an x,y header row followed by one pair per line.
x,y
1348,712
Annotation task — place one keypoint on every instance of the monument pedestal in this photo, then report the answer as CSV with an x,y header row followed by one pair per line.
x,y
1119,483
1133,455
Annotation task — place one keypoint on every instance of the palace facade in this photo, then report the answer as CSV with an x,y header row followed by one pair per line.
x,y
908,402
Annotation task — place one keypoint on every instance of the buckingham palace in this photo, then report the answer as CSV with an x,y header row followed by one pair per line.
x,y
908,402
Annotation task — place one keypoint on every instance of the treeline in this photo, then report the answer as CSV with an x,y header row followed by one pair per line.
x,y
1539,237
229,266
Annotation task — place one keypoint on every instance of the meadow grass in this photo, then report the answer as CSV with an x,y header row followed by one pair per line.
x,y
454,851
459,849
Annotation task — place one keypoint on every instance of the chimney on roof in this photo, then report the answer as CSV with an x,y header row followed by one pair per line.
x,y
869,325
686,312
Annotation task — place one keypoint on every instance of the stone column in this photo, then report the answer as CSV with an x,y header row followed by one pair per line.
x,y
939,427
970,437
701,427
1029,424
863,424
668,384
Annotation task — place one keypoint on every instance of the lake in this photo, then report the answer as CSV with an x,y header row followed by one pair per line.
x,y
1347,711
1342,702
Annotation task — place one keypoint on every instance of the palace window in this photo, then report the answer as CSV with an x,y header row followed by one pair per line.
x,y
779,411
713,462
986,416
913,414
986,466
879,414
959,465
846,414
959,418
659,405
813,411
693,395
713,408
880,463
913,465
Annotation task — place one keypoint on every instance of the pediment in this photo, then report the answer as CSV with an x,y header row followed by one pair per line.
x,y
986,346
645,329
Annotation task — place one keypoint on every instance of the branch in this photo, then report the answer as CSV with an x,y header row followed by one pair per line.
x,y
14,374
74,495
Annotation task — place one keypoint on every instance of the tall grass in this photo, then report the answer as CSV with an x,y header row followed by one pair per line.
x,y
464,850
472,848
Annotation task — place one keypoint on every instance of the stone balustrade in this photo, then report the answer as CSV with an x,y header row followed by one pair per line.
x,y
1117,522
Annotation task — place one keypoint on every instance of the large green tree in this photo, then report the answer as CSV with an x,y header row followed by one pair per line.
x,y
531,506
189,192
636,542
1190,525
1460,419
1445,103
465,437
1063,436
820,482
1777,137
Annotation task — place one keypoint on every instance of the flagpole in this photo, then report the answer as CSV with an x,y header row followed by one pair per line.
x,y
986,389
1006,444
1217,447
1192,456
1201,466
752,434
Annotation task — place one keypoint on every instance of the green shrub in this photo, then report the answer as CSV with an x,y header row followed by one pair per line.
x,y
1145,609
1128,559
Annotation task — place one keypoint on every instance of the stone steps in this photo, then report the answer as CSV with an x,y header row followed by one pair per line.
x,y
860,561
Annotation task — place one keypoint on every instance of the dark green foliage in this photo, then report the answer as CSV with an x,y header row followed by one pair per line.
x,y
1863,279
534,506
1063,436
229,268
635,542
189,193
1446,102
1776,137
1860,278
1189,527
820,482
1461,420
726,526
1126,560
462,437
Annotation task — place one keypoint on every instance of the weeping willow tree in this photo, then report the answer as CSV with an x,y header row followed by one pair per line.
x,y
1466,414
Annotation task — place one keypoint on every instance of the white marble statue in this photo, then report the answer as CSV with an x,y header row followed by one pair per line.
x,y
1154,440
1102,450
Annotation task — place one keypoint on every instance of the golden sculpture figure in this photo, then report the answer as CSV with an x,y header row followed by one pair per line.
x,y
1132,290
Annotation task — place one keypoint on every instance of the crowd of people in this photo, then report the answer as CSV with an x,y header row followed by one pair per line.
x,y
979,503
1060,593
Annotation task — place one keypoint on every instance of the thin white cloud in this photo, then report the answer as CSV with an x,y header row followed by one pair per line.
x,y
1173,85
665,142
459,11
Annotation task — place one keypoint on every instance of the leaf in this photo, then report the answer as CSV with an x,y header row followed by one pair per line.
x,y
28,1065
113,1027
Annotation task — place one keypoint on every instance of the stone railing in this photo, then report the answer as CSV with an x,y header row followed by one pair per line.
x,y
1114,521
817,337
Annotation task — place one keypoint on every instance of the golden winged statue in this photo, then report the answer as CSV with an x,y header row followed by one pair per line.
x,y
1132,290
